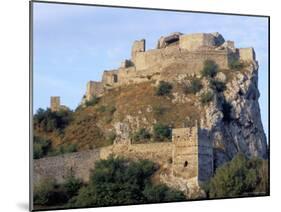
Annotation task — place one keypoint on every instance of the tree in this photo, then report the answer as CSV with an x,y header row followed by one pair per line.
x,y
161,132
210,69
164,88
117,181
239,177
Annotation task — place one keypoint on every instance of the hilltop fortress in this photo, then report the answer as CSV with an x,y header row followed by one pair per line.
x,y
189,159
175,54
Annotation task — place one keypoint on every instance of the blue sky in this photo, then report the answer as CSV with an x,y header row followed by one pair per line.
x,y
74,44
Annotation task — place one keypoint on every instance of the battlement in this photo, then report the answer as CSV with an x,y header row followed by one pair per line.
x,y
175,54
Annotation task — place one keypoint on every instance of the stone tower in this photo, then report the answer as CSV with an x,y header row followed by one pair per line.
x,y
192,154
138,46
55,103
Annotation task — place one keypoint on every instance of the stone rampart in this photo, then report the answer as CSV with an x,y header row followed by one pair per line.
x,y
81,163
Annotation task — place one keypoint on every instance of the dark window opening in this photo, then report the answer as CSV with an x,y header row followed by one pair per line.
x,y
185,164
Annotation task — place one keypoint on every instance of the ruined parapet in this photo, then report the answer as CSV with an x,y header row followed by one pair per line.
x,y
110,77
138,46
247,54
55,103
192,154
93,89
196,41
171,39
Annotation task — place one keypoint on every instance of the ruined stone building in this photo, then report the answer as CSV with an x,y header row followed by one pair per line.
x,y
175,54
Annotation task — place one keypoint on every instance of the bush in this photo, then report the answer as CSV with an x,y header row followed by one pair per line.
x,y
164,88
117,181
72,185
210,69
92,102
162,193
161,132
41,147
194,87
141,134
217,85
236,64
239,177
51,121
206,97
47,192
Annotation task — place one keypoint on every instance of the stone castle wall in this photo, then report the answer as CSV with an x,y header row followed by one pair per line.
x,y
81,163
60,167
188,157
175,54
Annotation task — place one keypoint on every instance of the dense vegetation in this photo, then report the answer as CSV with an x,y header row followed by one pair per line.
x,y
161,132
114,181
164,88
49,193
239,177
41,147
50,121
117,181
141,135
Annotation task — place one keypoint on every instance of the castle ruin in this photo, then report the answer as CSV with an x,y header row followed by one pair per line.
x,y
175,54
191,149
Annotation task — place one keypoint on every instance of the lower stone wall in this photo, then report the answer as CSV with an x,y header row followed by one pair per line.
x,y
81,163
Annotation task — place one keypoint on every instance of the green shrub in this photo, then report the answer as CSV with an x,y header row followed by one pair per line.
x,y
51,121
161,132
47,192
92,102
164,88
236,64
69,148
217,85
141,135
117,181
162,193
72,185
194,87
239,177
41,147
210,69
206,97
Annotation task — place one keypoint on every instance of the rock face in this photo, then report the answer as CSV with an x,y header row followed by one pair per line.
x,y
234,119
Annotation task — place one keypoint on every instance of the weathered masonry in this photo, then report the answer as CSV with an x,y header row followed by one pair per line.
x,y
175,54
